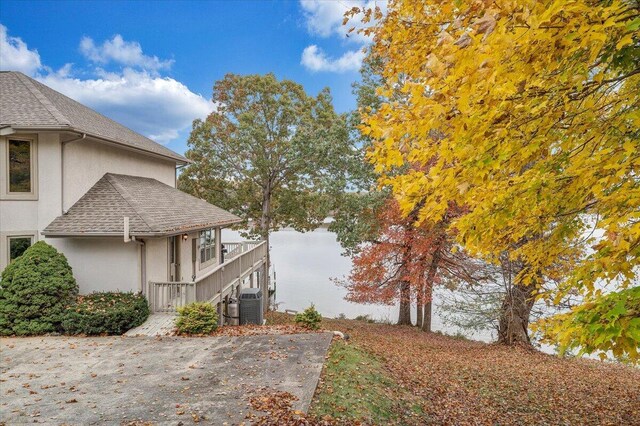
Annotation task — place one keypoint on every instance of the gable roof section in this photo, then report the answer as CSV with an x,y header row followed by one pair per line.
x,y
28,104
153,209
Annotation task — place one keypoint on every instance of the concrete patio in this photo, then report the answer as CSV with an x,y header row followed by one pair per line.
x,y
114,380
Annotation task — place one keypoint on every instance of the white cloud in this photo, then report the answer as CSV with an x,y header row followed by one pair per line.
x,y
158,107
16,56
314,59
127,53
325,19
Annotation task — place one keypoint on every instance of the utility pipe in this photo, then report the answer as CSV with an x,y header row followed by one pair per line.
x,y
175,175
143,255
62,144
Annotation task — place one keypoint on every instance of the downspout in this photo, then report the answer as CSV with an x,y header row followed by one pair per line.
x,y
175,182
62,144
143,255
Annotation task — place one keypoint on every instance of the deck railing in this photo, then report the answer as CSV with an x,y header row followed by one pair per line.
x,y
239,263
169,296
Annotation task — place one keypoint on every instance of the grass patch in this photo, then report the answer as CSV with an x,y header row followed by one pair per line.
x,y
354,386
386,371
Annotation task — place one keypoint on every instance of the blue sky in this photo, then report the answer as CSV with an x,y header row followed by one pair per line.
x,y
151,65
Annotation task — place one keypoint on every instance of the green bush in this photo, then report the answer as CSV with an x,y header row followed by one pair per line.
x,y
310,318
105,313
197,318
35,290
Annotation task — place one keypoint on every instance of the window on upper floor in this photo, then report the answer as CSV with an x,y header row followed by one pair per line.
x,y
20,160
19,166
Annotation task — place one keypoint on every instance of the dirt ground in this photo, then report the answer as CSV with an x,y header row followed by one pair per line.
x,y
169,380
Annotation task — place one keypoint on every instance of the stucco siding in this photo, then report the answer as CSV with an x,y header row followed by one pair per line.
x,y
68,172
49,178
102,264
157,259
187,267
86,161
29,217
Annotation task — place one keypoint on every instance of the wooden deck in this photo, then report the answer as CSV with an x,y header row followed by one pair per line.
x,y
244,261
158,324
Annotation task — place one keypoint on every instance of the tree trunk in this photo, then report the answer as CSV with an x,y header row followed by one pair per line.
x,y
514,316
513,325
404,317
419,304
431,275
265,225
426,321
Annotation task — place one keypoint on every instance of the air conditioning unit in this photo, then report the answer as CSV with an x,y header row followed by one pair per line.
x,y
251,306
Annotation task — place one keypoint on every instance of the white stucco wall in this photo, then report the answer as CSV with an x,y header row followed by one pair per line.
x,y
29,217
105,264
157,259
102,264
86,161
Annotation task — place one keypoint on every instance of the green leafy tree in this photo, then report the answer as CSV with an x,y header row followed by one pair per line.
x,y
270,153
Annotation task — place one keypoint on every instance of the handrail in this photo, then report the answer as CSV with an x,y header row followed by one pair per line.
x,y
168,296
228,261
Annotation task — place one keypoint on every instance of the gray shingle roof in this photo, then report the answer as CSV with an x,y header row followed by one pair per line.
x,y
153,208
25,103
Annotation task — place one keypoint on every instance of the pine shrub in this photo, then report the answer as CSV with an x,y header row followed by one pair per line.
x,y
310,318
197,318
35,290
106,313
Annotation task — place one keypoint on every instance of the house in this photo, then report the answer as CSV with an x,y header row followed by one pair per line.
x,y
106,197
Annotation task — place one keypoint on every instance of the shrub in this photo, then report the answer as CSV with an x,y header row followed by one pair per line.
x,y
35,289
197,318
365,318
105,313
310,318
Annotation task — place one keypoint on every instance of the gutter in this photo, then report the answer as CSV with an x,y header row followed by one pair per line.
x,y
8,130
139,235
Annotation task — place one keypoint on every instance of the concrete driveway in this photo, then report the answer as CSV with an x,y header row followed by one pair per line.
x,y
169,380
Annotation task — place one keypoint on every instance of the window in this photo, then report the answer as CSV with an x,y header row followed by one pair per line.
x,y
207,246
20,166
17,246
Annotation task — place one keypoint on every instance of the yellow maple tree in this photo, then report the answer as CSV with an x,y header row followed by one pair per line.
x,y
535,105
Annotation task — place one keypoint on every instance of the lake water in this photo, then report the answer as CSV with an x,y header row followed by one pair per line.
x,y
305,263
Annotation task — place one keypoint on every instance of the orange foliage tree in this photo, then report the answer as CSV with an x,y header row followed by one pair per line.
x,y
405,261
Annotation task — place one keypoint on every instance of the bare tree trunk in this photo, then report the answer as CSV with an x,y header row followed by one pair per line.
x,y
514,316
513,325
419,304
404,317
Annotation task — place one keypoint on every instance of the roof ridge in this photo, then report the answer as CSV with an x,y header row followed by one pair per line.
x,y
46,103
111,178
